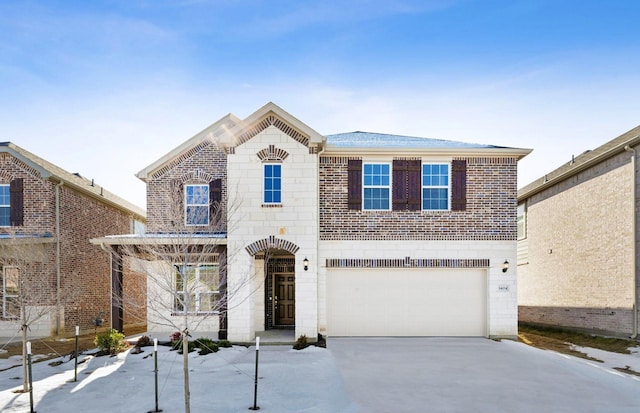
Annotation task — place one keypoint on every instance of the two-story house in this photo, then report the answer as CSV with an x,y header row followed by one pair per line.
x,y
51,275
578,242
356,234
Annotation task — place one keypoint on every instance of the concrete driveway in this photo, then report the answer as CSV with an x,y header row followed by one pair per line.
x,y
395,375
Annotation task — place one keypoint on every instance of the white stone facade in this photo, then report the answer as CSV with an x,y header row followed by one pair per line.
x,y
250,220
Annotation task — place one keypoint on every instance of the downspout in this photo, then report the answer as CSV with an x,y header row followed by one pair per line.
x,y
634,225
58,321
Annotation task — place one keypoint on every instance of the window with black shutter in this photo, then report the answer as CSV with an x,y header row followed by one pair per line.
x,y
17,204
406,185
458,185
215,197
354,171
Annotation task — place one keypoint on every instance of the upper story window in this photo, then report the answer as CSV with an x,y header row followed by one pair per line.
x,y
435,186
413,186
272,183
10,292
5,206
197,288
376,183
197,204
522,221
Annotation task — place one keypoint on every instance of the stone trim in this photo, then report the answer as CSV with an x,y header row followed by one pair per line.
x,y
406,262
195,176
271,243
272,154
278,123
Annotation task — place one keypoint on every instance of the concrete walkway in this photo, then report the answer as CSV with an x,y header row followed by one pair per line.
x,y
385,375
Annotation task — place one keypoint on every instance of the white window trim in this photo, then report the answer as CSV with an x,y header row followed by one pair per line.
x,y
179,272
522,207
447,187
389,187
264,190
186,206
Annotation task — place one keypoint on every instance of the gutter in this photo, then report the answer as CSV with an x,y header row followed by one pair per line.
x,y
58,271
565,171
634,155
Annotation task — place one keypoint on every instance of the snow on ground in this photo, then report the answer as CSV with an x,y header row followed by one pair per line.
x,y
306,381
290,381
611,360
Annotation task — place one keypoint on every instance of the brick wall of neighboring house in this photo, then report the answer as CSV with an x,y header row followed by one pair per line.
x,y
164,199
579,271
39,205
490,212
86,268
36,262
134,296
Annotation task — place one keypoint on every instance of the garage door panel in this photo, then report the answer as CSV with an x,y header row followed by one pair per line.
x,y
408,302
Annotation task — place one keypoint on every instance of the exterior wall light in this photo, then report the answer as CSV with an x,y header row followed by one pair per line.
x,y
505,266
305,262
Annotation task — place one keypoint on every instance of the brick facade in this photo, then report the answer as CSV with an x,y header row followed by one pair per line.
x,y
85,269
577,262
490,213
164,200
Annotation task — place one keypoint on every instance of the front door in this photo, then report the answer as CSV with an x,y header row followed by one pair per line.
x,y
285,299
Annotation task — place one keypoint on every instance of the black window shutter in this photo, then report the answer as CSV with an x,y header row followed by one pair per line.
x,y
458,185
414,185
16,210
399,190
354,178
215,198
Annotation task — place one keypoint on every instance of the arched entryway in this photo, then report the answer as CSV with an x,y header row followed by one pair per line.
x,y
280,292
278,260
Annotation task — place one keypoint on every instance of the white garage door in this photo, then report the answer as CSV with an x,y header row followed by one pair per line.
x,y
406,302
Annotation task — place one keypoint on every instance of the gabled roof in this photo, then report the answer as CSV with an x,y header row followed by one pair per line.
x,y
52,172
214,131
231,131
273,110
582,162
363,142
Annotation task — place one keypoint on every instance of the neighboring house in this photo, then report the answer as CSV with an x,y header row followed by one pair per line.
x,y
47,216
577,242
357,234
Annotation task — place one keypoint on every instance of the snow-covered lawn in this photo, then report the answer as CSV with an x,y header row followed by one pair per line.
x,y
290,381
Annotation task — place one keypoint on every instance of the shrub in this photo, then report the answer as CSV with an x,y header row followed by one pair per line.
x,y
111,342
206,345
191,346
301,343
144,341
224,344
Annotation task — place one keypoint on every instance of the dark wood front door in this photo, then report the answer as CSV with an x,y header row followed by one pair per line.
x,y
285,299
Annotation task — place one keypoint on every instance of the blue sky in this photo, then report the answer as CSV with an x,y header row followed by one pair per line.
x,y
104,88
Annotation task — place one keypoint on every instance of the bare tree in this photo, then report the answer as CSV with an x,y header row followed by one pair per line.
x,y
186,268
29,292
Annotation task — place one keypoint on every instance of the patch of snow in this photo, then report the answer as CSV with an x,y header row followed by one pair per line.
x,y
222,381
611,360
